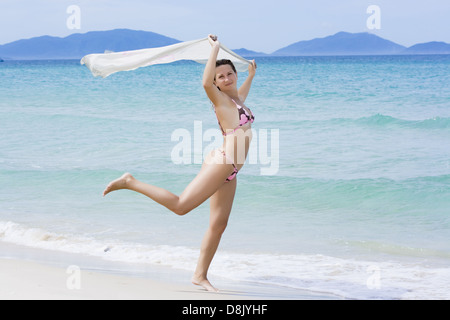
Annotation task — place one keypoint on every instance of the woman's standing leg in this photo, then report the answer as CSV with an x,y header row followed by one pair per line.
x,y
220,207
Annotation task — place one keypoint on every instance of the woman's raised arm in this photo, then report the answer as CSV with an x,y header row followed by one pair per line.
x,y
210,71
245,87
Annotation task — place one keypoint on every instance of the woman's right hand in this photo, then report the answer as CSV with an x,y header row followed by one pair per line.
x,y
213,41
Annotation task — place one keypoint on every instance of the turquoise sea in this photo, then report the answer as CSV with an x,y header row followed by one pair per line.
x,y
356,204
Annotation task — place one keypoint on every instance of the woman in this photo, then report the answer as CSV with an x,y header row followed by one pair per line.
x,y
217,177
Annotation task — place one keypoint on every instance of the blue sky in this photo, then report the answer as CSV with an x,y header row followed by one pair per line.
x,y
258,25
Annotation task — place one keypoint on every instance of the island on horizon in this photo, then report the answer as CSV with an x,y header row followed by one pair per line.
x,y
77,45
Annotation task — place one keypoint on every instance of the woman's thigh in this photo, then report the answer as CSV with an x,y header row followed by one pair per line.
x,y
210,178
221,203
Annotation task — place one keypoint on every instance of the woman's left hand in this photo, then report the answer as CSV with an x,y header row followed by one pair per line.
x,y
213,40
252,68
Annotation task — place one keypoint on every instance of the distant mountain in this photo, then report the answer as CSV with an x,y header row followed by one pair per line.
x,y
342,43
249,53
434,47
78,45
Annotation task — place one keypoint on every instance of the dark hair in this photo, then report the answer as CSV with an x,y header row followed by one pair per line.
x,y
224,62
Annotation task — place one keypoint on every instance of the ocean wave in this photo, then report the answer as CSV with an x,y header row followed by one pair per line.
x,y
347,278
399,250
384,120
428,195
381,121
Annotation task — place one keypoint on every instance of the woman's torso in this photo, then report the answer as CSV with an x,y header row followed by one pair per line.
x,y
235,121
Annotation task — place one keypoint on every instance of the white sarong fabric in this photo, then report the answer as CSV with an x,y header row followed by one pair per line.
x,y
105,64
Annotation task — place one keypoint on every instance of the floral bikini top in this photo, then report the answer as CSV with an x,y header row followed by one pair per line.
x,y
244,118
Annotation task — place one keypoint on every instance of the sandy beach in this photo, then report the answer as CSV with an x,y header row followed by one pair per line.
x,y
25,280
33,274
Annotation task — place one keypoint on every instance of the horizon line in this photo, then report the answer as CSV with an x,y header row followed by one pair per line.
x,y
265,53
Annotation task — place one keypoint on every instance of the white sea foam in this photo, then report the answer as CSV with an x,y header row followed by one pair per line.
x,y
347,278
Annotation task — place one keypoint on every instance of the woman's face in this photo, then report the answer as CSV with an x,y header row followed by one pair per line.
x,y
226,78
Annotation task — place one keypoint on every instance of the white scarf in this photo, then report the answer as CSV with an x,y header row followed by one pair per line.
x,y
105,64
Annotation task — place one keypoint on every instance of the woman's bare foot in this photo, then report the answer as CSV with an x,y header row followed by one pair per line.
x,y
203,282
120,183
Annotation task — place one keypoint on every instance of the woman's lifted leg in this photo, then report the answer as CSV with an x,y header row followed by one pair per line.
x,y
210,178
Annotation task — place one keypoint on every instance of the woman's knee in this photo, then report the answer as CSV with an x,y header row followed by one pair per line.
x,y
183,207
181,210
218,227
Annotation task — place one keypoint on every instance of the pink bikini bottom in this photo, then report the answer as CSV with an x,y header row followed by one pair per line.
x,y
235,172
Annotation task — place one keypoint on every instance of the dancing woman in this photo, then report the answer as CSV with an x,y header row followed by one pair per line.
x,y
217,177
